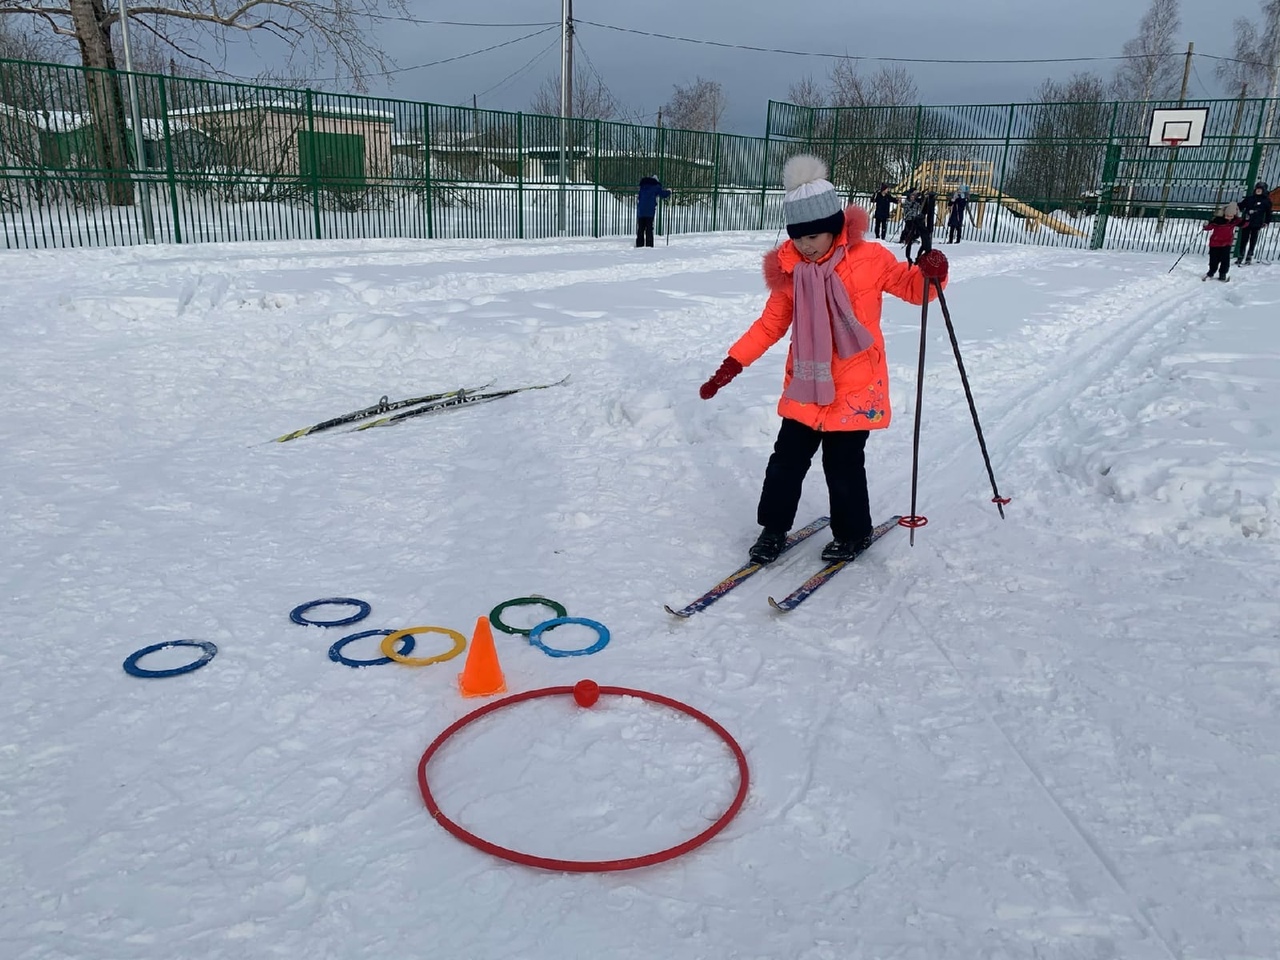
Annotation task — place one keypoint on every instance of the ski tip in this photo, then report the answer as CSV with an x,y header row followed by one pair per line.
x,y
777,606
675,613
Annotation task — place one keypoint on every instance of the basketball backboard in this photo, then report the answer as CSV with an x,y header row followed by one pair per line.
x,y
1182,126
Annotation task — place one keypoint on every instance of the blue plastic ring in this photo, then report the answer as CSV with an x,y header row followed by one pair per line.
x,y
131,663
335,652
296,614
535,636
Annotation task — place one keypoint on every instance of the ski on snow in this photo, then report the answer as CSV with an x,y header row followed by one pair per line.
x,y
806,589
457,399
749,569
380,408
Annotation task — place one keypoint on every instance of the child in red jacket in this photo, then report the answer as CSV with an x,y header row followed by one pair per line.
x,y
826,287
1222,234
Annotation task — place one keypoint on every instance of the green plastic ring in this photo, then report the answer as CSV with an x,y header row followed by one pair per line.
x,y
495,614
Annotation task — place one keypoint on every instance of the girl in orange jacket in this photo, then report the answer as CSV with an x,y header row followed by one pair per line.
x,y
825,285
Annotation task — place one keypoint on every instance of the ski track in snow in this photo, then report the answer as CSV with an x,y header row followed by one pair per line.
x,y
1044,737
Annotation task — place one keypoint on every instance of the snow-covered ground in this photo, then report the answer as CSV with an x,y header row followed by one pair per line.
x,y
1052,736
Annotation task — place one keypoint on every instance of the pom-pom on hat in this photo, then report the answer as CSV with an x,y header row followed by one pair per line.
x,y
810,204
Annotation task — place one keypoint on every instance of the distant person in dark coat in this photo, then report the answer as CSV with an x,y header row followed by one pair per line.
x,y
883,201
929,201
955,219
915,225
1256,210
651,190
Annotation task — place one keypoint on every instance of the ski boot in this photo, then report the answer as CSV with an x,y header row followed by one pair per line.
x,y
840,550
768,546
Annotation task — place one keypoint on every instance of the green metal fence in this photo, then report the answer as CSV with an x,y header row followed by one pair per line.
x,y
1074,174
224,161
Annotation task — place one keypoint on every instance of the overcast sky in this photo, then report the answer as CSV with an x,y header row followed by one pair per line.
x,y
640,71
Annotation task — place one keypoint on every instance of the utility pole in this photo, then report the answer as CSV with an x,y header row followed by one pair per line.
x,y
1186,72
566,102
139,140
1173,151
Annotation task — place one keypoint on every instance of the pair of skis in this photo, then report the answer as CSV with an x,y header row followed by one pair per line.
x,y
384,410
802,592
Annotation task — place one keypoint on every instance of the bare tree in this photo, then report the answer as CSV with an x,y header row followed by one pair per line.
x,y
1256,57
696,106
845,86
892,87
318,29
19,42
806,92
889,87
1153,71
1063,157
592,100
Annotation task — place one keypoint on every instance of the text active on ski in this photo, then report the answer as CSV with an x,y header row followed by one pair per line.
x,y
744,572
412,407
459,399
806,589
383,406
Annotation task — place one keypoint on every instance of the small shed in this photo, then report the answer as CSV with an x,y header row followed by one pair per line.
x,y
340,145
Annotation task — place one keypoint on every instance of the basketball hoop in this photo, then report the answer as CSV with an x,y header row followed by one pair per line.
x,y
1174,142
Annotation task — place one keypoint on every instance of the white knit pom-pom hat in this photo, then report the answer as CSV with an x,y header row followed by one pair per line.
x,y
811,204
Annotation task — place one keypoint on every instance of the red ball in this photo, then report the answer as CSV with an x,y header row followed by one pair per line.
x,y
586,692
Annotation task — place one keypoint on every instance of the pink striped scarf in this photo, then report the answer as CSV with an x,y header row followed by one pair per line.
x,y
822,318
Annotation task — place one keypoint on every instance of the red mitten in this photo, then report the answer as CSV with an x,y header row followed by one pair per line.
x,y
933,265
728,370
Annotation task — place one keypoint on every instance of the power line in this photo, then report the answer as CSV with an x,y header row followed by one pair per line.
x,y
460,23
436,63
1203,88
1251,63
843,56
838,56
511,76
592,67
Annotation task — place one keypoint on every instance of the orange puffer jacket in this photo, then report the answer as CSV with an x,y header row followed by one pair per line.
x,y
868,271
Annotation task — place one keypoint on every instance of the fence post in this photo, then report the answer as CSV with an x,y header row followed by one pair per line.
x,y
1004,166
662,165
426,170
168,161
915,143
715,183
835,132
764,164
520,176
1110,170
315,164
595,185
1255,164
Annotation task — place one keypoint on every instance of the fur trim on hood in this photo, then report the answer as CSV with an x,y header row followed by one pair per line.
x,y
856,223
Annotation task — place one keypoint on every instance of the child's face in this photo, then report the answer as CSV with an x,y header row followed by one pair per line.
x,y
815,246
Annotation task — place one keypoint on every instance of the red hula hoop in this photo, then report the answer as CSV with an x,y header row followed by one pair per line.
x,y
585,866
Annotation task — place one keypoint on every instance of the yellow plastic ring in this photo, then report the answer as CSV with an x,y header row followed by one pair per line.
x,y
389,646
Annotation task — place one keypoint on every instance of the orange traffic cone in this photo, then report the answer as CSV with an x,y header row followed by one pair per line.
x,y
481,675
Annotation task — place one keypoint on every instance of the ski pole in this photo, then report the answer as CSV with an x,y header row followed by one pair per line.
x,y
998,500
913,520
1184,253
